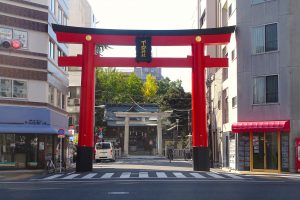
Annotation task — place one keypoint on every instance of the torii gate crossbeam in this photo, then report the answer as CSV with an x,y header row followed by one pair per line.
x,y
89,37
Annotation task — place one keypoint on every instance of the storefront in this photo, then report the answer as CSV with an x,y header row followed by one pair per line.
x,y
28,136
263,146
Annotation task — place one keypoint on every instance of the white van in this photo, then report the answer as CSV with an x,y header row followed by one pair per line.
x,y
104,151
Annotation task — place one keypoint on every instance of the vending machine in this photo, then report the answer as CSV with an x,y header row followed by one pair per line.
x,y
298,154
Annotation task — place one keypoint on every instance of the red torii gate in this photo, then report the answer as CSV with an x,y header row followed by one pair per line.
x,y
196,38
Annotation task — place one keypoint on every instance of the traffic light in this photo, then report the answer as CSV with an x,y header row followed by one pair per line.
x,y
13,43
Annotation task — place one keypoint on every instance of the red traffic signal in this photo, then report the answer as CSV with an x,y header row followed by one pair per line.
x,y
15,44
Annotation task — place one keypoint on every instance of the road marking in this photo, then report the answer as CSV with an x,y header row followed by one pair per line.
x,y
52,177
234,176
196,175
118,193
89,176
214,175
179,175
71,176
161,175
125,175
107,175
143,175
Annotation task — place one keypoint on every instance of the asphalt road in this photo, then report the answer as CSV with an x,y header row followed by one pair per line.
x,y
150,179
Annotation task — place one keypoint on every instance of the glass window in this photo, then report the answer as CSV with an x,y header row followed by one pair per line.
x,y
234,101
257,1
20,89
58,99
271,37
265,89
5,88
51,49
258,44
51,95
63,101
230,10
52,6
264,39
60,15
259,92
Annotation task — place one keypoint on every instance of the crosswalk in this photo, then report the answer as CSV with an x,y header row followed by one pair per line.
x,y
142,175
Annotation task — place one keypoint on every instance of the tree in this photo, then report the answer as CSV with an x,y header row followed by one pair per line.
x,y
150,88
134,87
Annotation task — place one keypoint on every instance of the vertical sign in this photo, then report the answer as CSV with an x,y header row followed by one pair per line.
x,y
143,49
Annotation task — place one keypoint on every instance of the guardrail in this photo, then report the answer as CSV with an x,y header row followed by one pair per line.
x,y
118,152
180,153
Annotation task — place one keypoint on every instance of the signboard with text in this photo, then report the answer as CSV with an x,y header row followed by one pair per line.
x,y
143,49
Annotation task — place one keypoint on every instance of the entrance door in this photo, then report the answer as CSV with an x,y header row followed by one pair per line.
x,y
265,151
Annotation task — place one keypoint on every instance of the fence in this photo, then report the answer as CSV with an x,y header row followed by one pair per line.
x,y
180,153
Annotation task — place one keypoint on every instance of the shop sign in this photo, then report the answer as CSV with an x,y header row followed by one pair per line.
x,y
41,146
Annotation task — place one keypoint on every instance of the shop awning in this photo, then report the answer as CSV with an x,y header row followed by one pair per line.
x,y
28,129
262,126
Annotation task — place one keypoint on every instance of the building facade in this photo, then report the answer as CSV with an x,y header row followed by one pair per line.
x,y
33,88
259,109
81,15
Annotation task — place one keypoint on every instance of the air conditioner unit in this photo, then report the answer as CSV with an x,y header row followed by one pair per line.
x,y
70,102
76,101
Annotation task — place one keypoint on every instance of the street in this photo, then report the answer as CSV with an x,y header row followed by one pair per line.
x,y
151,178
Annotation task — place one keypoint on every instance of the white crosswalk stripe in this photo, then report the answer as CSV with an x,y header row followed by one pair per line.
x,y
71,176
146,175
53,176
89,176
196,175
179,175
161,175
125,175
143,175
214,175
234,176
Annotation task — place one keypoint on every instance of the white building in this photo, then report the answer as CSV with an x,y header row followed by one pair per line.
x,y
33,87
260,96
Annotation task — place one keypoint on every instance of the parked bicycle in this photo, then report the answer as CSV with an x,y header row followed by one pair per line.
x,y
50,166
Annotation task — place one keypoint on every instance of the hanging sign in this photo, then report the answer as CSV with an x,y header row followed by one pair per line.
x,y
143,49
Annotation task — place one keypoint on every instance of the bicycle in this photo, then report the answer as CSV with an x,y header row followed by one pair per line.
x,y
51,166
170,154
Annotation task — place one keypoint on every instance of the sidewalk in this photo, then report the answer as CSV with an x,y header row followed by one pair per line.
x,y
271,174
17,175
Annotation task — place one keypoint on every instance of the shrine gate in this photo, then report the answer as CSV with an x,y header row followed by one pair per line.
x,y
143,40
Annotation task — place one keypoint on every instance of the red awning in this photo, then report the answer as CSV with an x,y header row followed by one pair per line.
x,y
264,126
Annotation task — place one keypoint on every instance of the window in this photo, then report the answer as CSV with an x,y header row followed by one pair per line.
x,y
224,74
225,112
5,88
13,88
58,99
230,10
264,38
265,89
52,6
60,15
258,1
51,49
9,34
234,102
202,18
51,95
63,101
20,89
233,54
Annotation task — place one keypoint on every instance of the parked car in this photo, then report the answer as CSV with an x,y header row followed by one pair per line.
x,y
104,151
